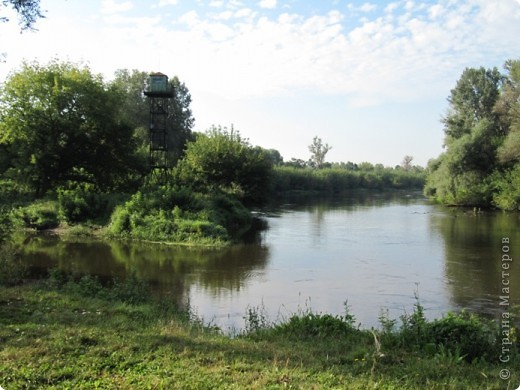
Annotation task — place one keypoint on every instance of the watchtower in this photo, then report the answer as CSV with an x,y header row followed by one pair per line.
x,y
159,93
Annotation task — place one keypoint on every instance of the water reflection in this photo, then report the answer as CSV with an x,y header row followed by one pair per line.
x,y
473,249
373,250
169,269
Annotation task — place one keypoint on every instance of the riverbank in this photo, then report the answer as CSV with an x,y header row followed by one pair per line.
x,y
64,333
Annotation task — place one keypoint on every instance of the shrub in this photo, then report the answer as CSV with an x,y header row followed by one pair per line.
x,y
40,215
80,202
464,333
174,214
222,160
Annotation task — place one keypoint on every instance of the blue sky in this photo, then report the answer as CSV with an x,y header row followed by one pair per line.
x,y
369,78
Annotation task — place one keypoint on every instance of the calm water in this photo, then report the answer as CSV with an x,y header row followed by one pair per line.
x,y
374,251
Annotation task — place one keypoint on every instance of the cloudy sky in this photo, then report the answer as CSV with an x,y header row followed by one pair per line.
x,y
369,78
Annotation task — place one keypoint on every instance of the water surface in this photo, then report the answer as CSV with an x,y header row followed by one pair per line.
x,y
373,251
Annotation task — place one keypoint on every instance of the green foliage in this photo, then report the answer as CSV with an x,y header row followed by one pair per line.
x,y
471,101
60,122
507,184
256,319
464,335
451,338
336,180
308,325
64,339
40,215
173,214
79,202
481,129
316,325
221,160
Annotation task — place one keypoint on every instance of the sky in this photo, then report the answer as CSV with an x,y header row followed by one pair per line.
x,y
371,79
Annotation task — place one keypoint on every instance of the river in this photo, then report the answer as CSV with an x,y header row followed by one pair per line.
x,y
371,251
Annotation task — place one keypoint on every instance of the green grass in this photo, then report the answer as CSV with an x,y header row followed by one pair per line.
x,y
78,334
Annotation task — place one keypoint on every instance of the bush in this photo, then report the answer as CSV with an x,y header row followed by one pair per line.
x,y
309,324
316,325
40,215
173,214
80,202
222,160
462,335
470,336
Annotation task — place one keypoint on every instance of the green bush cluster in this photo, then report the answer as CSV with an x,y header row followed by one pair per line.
x,y
222,160
173,214
337,180
462,335
40,215
317,325
79,202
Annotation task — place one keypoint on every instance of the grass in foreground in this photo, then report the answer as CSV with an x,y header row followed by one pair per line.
x,y
63,334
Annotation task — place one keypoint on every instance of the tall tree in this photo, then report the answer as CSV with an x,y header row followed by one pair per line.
x,y
318,151
60,122
28,12
406,164
471,101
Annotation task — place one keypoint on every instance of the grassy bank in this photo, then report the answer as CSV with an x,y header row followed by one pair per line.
x,y
78,334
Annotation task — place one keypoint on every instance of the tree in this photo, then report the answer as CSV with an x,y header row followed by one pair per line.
x,y
221,159
60,122
472,100
319,151
508,110
28,12
407,163
481,139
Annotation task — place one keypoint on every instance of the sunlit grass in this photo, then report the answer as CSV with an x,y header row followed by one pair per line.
x,y
78,334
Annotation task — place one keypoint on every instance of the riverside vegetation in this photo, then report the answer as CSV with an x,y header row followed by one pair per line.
x,y
65,332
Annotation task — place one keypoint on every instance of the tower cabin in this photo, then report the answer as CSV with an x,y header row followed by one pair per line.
x,y
158,86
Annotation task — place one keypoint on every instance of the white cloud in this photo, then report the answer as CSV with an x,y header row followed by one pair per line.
x,y
387,58
243,13
164,3
436,11
112,6
270,4
368,7
224,15
391,7
216,3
